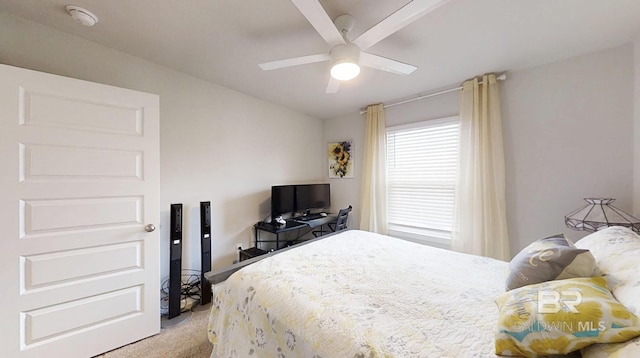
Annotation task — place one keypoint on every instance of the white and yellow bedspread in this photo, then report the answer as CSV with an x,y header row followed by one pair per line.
x,y
359,294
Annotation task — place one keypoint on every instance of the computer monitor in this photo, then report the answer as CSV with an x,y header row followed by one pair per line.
x,y
282,200
312,196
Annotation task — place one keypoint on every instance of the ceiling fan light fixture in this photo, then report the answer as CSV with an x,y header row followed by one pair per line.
x,y
345,62
345,71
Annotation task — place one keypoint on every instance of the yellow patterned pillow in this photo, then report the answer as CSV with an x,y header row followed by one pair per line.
x,y
559,317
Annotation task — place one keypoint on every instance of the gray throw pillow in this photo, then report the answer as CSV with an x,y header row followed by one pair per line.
x,y
551,258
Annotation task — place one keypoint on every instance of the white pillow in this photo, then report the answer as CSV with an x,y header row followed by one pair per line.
x,y
617,253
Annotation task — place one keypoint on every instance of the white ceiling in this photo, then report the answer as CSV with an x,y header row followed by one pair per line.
x,y
223,41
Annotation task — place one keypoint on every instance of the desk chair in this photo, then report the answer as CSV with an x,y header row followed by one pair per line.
x,y
340,224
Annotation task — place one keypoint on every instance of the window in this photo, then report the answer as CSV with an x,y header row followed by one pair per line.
x,y
421,175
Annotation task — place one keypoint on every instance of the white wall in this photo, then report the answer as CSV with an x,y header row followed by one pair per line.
x,y
568,130
345,192
216,144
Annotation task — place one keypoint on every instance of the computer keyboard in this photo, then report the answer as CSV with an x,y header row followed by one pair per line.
x,y
310,217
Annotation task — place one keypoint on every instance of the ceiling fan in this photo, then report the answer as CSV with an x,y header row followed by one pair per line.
x,y
347,56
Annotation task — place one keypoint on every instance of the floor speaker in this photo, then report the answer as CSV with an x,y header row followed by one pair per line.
x,y
175,258
205,251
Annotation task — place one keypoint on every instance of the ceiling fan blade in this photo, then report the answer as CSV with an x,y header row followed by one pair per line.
x,y
333,86
289,62
315,14
385,64
396,21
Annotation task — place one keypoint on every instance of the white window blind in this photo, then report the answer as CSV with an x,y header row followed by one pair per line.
x,y
421,175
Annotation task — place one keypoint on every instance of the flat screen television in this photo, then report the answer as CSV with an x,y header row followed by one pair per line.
x,y
282,200
312,196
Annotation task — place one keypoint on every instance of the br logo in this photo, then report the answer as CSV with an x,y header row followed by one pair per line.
x,y
554,301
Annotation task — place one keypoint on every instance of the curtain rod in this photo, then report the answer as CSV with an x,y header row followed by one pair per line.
x,y
500,77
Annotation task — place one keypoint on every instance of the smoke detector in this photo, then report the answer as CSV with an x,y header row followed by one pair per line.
x,y
81,15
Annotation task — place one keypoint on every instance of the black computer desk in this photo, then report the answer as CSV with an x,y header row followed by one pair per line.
x,y
292,224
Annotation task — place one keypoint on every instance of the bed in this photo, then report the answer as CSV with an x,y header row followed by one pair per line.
x,y
359,294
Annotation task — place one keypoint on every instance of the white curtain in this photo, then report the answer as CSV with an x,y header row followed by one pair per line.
x,y
480,223
373,195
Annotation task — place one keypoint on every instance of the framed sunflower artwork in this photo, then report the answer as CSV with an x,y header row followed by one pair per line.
x,y
340,157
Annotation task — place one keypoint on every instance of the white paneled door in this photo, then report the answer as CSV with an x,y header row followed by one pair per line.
x,y
79,185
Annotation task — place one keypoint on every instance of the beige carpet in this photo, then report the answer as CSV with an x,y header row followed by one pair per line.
x,y
185,340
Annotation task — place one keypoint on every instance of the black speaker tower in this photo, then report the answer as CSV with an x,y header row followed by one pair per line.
x,y
175,316
205,251
175,257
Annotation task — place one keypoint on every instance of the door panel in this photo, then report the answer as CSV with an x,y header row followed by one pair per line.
x,y
58,268
38,162
43,325
79,180
40,109
45,216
